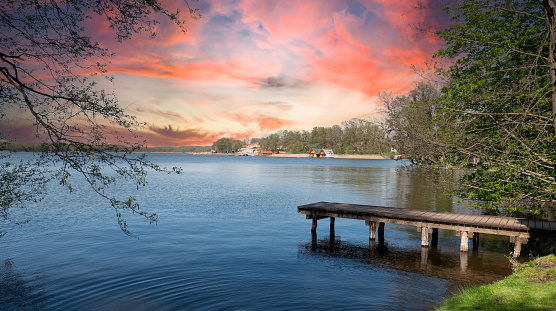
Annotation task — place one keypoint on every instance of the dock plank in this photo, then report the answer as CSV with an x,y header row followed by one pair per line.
x,y
467,219
538,224
504,222
475,220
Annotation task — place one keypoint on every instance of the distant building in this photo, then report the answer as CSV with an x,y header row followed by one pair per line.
x,y
316,153
267,153
249,149
322,153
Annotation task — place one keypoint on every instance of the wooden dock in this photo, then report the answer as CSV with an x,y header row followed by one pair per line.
x,y
520,230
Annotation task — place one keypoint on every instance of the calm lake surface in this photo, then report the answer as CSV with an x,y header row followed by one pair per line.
x,y
229,238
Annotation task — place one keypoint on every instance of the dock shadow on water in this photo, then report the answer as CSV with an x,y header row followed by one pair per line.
x,y
471,268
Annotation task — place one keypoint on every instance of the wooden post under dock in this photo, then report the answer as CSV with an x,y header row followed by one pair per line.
x,y
520,230
424,236
464,245
314,226
434,240
372,230
332,233
475,241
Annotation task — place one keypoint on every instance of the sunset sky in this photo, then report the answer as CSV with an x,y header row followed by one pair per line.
x,y
248,68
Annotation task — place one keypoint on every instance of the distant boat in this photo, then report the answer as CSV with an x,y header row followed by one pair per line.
x,y
329,153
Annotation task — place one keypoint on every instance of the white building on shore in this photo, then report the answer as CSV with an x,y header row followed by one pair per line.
x,y
250,149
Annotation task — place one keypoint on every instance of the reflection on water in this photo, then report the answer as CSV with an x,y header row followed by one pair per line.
x,y
467,268
16,292
402,186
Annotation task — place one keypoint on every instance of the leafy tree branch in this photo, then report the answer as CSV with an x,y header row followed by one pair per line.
x,y
49,68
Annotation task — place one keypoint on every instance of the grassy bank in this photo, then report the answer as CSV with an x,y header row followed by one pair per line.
x,y
532,287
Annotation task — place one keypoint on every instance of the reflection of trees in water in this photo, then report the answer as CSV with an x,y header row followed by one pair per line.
x,y
406,187
428,189
473,268
16,293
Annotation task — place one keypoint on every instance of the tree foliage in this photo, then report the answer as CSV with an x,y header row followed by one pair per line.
x,y
48,61
227,145
412,125
497,107
355,136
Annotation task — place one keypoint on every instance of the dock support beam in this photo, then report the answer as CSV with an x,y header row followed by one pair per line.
x,y
315,218
424,237
518,240
332,233
314,226
434,239
517,249
464,245
475,241
380,231
372,229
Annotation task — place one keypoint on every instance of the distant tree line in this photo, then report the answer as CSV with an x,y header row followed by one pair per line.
x,y
356,136
49,147
227,145
21,147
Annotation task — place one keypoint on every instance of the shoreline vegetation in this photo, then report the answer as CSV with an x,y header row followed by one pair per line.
x,y
291,155
39,147
340,156
531,287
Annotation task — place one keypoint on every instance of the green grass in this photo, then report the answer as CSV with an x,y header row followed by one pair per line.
x,y
532,287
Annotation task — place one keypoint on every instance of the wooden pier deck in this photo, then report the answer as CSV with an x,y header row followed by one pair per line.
x,y
520,230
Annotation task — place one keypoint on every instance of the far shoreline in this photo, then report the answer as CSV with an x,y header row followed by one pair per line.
x,y
339,156
297,155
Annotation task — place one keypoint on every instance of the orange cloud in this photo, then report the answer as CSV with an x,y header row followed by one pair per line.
x,y
241,136
177,137
264,123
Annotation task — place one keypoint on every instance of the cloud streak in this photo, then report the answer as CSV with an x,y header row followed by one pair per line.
x,y
168,136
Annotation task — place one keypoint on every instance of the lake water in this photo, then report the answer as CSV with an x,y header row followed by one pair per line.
x,y
229,238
